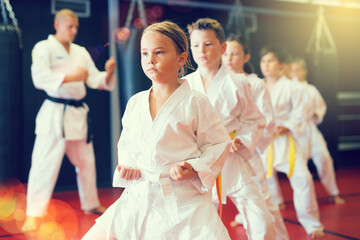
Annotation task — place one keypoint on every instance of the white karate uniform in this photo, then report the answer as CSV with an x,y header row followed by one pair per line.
x,y
263,102
231,96
186,128
314,142
62,130
287,97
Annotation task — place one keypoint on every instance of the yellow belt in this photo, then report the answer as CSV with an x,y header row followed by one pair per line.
x,y
232,135
291,156
218,183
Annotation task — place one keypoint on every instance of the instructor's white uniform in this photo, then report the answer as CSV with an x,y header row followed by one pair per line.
x,y
62,129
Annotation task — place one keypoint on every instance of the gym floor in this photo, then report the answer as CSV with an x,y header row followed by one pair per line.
x,y
67,221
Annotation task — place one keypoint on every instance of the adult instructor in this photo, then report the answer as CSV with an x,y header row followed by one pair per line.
x,y
62,68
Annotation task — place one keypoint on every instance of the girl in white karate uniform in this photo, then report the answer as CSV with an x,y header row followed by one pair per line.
x,y
231,96
172,147
284,154
236,55
62,68
313,141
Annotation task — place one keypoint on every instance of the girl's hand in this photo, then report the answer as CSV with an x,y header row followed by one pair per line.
x,y
128,173
236,144
182,171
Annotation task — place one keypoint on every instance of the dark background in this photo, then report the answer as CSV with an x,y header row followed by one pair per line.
x,y
286,23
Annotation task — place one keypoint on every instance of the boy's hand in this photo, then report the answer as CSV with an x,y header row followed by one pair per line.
x,y
236,144
281,130
128,173
182,171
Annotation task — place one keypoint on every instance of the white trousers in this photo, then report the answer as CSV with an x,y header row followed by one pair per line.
x,y
323,161
304,196
314,146
260,180
47,157
275,190
257,220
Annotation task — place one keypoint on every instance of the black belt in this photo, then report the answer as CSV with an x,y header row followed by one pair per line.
x,y
71,102
74,103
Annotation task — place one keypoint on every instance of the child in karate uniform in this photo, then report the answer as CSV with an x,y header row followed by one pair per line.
x,y
284,154
172,147
231,96
237,54
314,141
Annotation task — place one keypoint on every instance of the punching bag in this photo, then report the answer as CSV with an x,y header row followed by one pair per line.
x,y
324,75
11,134
323,69
132,79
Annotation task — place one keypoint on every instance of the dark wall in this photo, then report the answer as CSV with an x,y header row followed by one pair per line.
x,y
334,73
36,22
291,25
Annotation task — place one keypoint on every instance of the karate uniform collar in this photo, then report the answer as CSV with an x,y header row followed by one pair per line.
x,y
54,42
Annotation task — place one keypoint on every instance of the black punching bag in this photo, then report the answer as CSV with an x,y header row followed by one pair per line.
x,y
11,134
132,79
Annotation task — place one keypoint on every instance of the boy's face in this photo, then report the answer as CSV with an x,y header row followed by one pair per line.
x,y
270,66
234,57
286,70
298,71
206,48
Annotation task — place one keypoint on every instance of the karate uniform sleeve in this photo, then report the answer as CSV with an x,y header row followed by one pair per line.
x,y
44,78
96,79
124,150
214,144
252,121
263,102
296,121
320,107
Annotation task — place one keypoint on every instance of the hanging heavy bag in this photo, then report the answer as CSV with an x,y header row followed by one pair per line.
x,y
131,76
11,107
323,71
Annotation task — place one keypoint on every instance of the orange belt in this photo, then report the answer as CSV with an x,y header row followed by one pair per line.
x,y
218,183
291,156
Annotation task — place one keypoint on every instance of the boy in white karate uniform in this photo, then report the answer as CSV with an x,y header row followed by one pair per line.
x,y
313,141
236,55
284,154
230,94
172,147
62,68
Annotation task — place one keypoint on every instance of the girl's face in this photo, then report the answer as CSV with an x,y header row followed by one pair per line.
x,y
159,59
234,57
206,48
270,66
